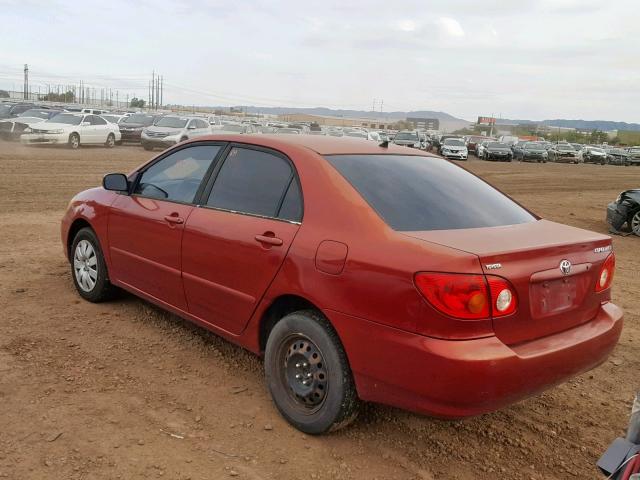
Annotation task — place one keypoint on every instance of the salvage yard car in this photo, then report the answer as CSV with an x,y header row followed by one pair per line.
x,y
634,155
132,126
594,155
12,128
563,153
171,129
532,152
625,210
455,149
73,130
618,156
496,151
361,271
408,138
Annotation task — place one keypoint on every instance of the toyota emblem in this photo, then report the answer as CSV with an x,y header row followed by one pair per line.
x,y
565,267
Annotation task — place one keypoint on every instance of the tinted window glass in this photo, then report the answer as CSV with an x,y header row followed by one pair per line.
x,y
251,181
177,176
415,193
292,205
98,121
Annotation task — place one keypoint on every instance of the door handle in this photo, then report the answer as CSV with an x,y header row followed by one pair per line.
x,y
269,240
174,219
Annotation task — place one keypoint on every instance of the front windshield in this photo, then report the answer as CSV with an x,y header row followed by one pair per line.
x,y
496,145
632,150
566,148
533,146
66,118
406,136
597,150
4,109
234,128
144,120
356,134
172,122
36,113
452,142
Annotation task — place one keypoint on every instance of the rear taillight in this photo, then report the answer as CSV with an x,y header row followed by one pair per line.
x,y
456,295
467,297
503,296
605,278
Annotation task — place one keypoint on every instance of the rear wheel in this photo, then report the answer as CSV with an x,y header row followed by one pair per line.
x,y
308,374
111,141
74,141
88,268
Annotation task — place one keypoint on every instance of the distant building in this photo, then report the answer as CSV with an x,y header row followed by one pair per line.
x,y
425,123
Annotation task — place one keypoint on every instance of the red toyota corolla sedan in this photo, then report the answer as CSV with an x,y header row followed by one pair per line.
x,y
360,271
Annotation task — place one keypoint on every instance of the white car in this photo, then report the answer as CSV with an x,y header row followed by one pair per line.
x,y
12,128
173,129
454,148
73,129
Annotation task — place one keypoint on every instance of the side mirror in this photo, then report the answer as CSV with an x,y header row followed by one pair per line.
x,y
116,182
85,124
191,127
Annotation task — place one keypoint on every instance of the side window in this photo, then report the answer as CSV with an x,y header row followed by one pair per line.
x,y
202,124
251,181
98,120
177,176
291,208
192,123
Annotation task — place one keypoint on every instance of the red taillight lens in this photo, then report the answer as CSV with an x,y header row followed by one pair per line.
x,y
605,278
503,296
457,295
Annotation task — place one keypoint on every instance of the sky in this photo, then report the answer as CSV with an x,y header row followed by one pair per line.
x,y
518,59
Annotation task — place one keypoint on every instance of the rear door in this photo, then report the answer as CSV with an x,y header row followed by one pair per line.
x,y
101,129
146,228
235,243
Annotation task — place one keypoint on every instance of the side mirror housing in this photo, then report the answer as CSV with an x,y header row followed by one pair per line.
x,y
85,124
191,127
116,182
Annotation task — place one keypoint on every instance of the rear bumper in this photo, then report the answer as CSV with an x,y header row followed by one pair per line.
x,y
453,379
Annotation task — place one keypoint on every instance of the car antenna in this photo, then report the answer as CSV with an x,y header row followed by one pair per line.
x,y
384,144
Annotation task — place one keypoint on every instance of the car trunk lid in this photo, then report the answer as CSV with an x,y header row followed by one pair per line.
x,y
529,255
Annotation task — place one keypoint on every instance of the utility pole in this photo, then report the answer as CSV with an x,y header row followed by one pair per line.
x,y
161,90
373,108
153,90
26,82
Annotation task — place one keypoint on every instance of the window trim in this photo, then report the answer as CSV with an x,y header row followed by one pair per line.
x,y
138,173
206,192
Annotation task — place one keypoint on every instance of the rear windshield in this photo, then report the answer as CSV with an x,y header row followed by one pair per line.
x,y
414,193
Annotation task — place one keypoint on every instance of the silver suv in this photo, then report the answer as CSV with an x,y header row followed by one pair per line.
x,y
172,129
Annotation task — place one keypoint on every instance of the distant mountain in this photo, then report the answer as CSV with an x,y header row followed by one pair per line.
x,y
447,122
602,125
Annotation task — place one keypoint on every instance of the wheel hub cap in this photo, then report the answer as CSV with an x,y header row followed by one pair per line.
x,y
305,372
85,265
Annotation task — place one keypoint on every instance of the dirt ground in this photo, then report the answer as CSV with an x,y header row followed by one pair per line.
x,y
124,390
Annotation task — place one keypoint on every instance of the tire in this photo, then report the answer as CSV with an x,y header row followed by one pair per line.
x,y
111,141
183,139
308,374
74,141
148,148
634,222
94,287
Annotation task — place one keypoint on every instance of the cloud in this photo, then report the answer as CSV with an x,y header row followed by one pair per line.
x,y
450,26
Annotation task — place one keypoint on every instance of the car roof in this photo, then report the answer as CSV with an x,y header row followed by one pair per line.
x,y
323,145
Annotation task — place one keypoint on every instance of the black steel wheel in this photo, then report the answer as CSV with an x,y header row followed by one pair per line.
x,y
308,374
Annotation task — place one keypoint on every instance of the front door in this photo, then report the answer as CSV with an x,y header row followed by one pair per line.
x,y
235,243
146,228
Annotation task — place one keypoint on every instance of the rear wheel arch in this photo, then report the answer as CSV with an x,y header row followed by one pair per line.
x,y
279,308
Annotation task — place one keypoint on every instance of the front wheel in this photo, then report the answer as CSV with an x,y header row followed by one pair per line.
x,y
74,141
308,374
148,148
111,141
634,223
88,268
